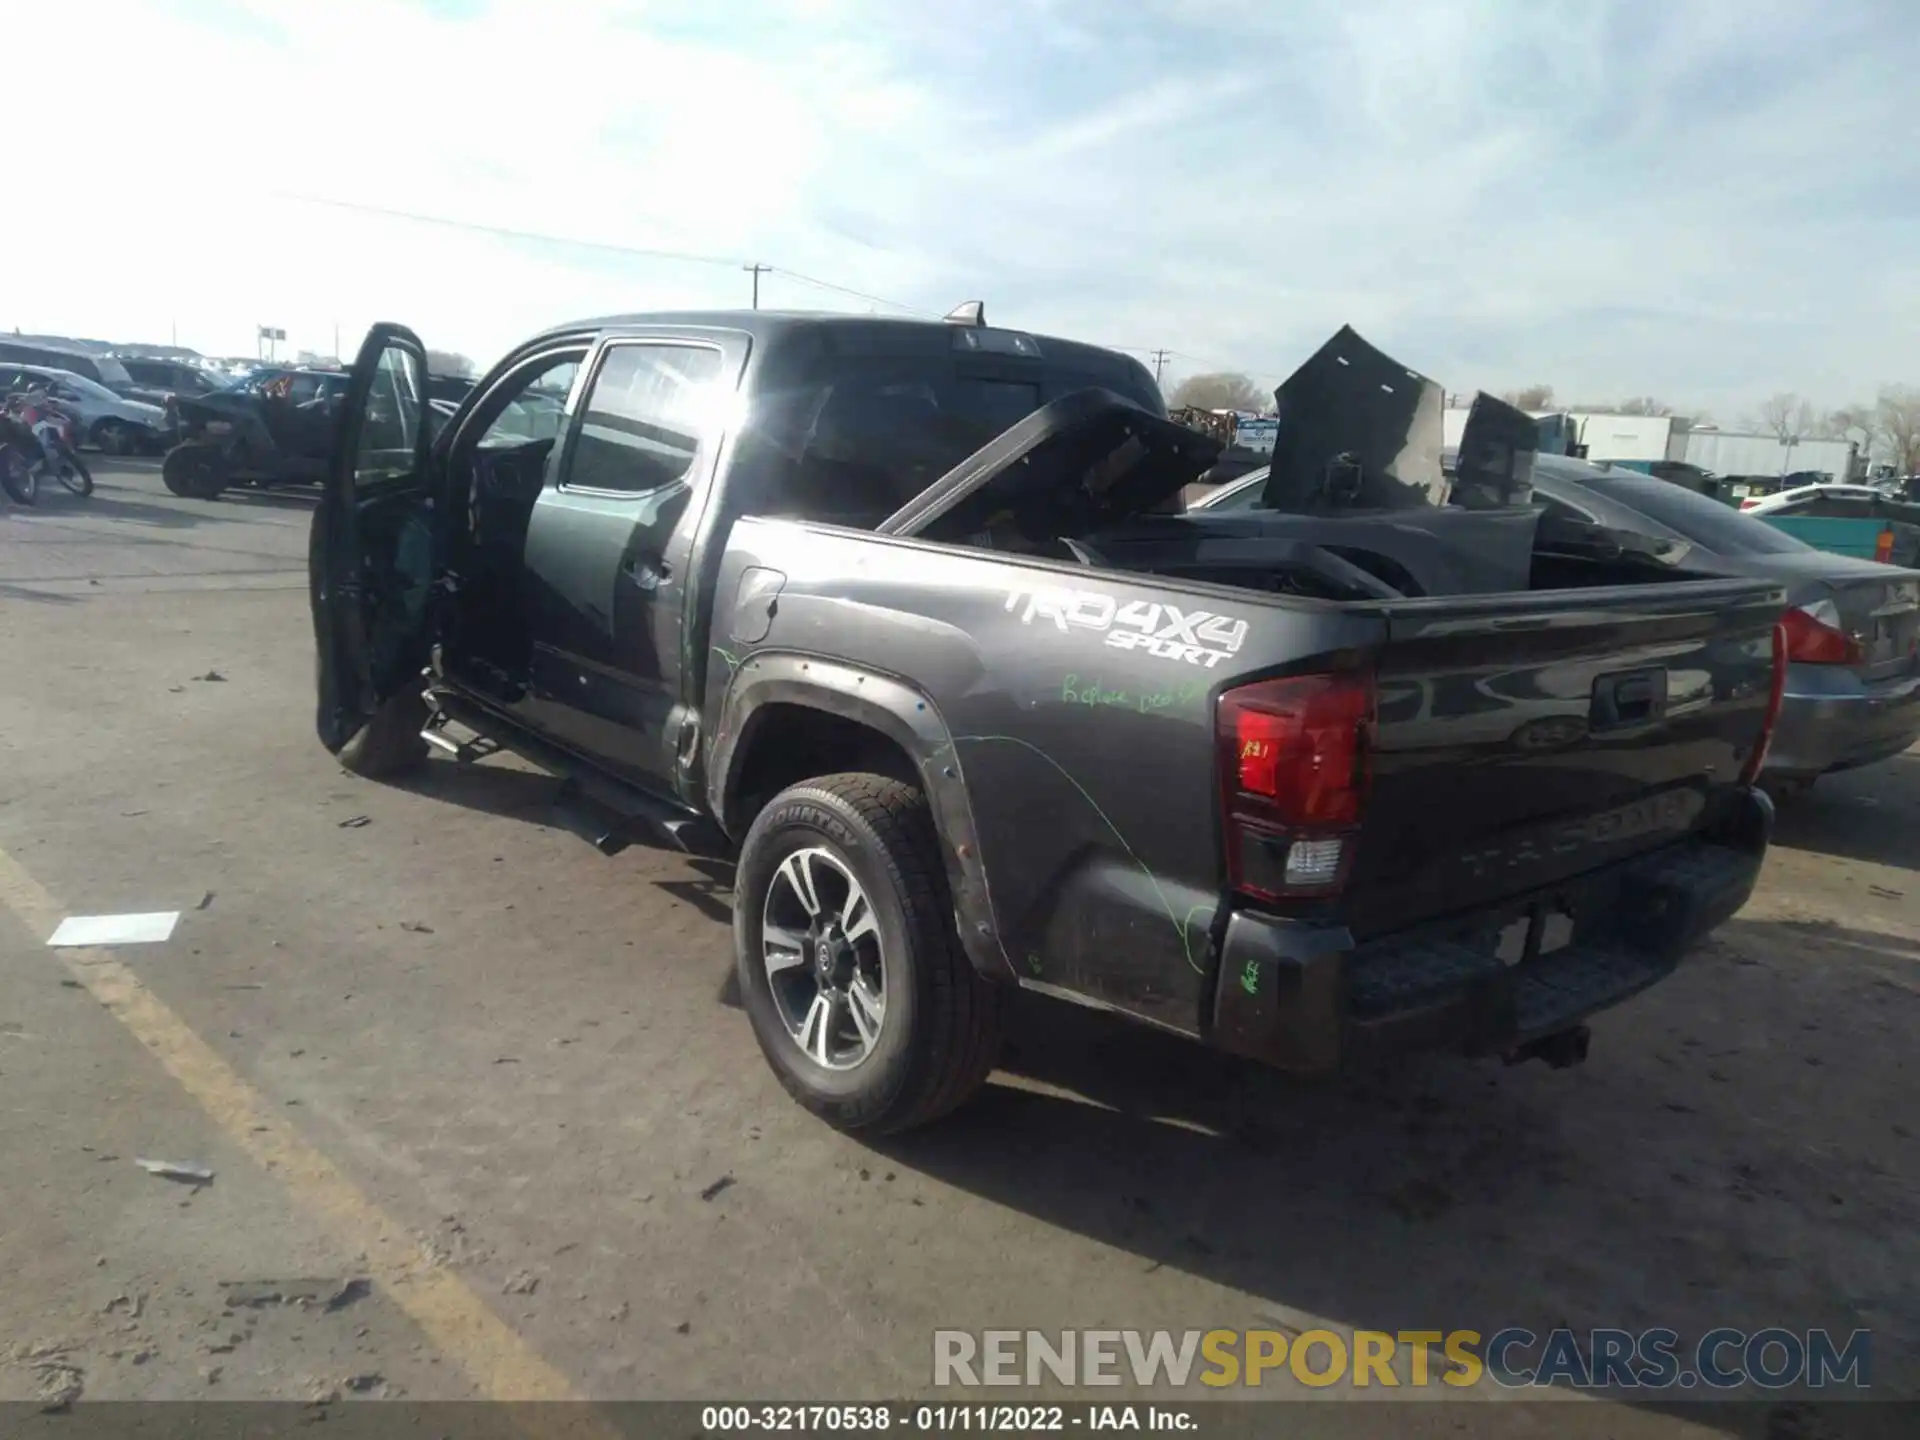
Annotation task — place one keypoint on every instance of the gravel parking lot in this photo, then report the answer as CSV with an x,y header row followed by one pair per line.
x,y
430,1041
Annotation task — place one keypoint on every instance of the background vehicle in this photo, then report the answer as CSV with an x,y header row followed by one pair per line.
x,y
110,422
1852,693
171,377
1798,497
52,430
102,369
904,615
1861,520
274,427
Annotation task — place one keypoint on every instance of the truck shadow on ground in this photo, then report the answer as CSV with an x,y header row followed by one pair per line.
x,y
110,506
1871,814
1736,1153
541,799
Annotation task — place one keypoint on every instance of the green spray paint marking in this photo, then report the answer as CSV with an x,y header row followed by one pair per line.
x,y
733,660
1250,978
1180,926
1075,691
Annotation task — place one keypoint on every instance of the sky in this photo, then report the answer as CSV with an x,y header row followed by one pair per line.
x,y
1703,201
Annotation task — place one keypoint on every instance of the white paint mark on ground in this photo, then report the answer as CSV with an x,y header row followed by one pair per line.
x,y
144,929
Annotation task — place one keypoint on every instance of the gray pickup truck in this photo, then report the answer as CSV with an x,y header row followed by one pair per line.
x,y
906,619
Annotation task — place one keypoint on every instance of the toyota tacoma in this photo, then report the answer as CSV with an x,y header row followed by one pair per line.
x,y
907,620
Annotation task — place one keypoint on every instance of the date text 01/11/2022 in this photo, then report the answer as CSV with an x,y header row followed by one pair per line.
x,y
945,1419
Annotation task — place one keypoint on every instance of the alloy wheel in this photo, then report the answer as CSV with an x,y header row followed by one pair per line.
x,y
821,944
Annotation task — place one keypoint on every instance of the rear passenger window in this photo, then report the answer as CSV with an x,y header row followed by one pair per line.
x,y
644,418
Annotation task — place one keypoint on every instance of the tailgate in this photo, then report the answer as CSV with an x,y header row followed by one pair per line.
x,y
1524,739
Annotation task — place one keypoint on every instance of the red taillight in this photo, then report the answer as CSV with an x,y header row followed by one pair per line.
x,y
1750,771
1293,770
1814,636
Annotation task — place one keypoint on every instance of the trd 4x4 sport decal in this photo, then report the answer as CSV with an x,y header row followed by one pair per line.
x,y
1198,637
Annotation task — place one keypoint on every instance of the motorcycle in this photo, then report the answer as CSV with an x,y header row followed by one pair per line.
x,y
50,430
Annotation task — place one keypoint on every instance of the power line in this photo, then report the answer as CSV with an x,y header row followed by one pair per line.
x,y
855,294
1159,356
510,234
649,252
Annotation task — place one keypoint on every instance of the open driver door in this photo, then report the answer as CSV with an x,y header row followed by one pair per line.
x,y
370,559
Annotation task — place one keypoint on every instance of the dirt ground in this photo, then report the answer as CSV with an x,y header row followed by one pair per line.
x,y
484,1095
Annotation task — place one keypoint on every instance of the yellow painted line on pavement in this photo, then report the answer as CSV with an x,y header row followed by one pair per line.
x,y
458,1322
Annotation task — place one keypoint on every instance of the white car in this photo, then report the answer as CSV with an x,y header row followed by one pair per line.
x,y
1761,504
116,424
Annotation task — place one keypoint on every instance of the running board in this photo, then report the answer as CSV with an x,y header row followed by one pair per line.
x,y
463,752
607,814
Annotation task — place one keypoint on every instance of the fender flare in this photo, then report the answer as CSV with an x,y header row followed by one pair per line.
x,y
893,708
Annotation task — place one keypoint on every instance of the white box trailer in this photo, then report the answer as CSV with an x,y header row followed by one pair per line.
x,y
1630,437
1728,452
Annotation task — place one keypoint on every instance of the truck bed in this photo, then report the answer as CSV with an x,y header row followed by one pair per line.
x,y
1065,720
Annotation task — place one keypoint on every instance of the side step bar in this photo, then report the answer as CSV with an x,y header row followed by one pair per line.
x,y
609,815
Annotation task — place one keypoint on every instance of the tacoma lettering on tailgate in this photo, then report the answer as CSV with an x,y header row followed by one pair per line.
x,y
1673,811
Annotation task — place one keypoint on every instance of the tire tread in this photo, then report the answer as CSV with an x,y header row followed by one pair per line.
x,y
959,1012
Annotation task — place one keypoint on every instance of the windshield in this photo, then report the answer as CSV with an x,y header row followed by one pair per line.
x,y
1708,523
111,370
91,389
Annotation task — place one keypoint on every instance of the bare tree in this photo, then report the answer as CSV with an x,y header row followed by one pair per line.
x,y
1530,397
448,362
1786,415
1897,419
1222,390
1845,423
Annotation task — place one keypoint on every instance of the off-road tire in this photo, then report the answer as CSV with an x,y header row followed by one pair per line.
x,y
389,744
75,475
180,476
941,1034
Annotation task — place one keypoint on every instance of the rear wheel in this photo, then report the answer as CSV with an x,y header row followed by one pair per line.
x,y
112,437
197,472
857,988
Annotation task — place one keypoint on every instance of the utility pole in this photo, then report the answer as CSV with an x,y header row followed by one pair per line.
x,y
756,271
1159,359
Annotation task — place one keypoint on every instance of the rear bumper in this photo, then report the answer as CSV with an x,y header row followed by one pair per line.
x,y
1303,997
1829,720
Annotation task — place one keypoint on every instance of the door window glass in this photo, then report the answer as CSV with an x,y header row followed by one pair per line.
x,y
649,407
391,430
536,413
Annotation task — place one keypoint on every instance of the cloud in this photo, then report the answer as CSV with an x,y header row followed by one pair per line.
x,y
1710,201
